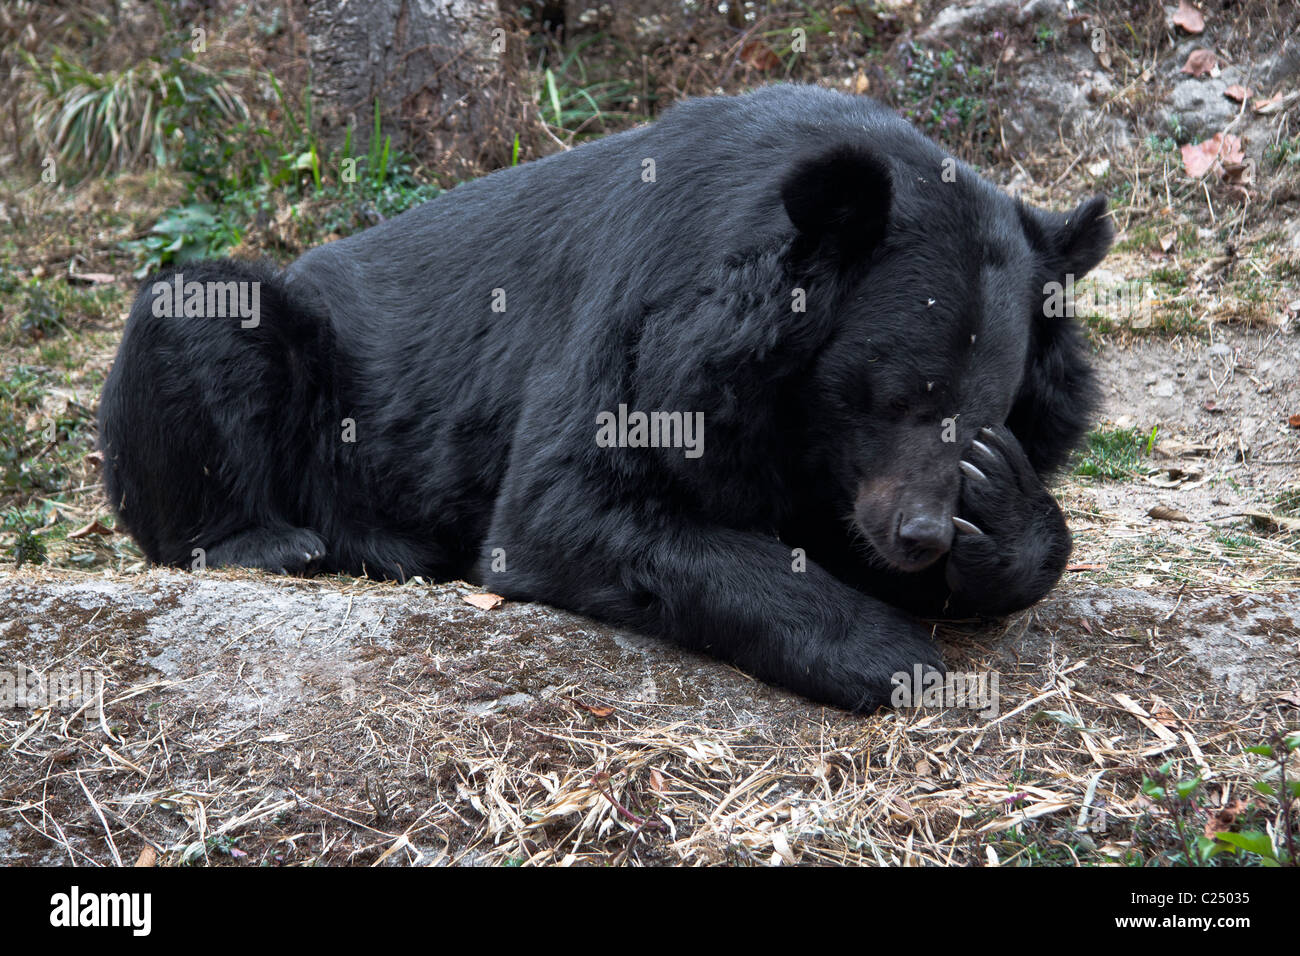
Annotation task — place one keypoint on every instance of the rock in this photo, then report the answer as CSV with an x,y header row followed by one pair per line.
x,y
1199,106
1283,67
962,19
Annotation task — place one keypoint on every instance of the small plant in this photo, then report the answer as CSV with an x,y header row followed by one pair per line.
x,y
1160,144
99,122
1284,152
24,524
1255,841
194,231
1114,454
44,308
35,451
574,104
28,548
945,95
1177,132
1177,797
247,175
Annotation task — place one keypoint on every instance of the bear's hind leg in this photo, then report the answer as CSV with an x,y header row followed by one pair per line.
x,y
281,550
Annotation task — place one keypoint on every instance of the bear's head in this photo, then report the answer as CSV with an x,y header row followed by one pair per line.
x,y
936,287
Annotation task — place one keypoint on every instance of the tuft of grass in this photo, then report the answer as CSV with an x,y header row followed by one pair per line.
x,y
947,92
100,122
38,309
1113,454
1288,501
37,448
576,106
1285,152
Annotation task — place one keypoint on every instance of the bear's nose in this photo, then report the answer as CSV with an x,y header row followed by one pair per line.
x,y
924,532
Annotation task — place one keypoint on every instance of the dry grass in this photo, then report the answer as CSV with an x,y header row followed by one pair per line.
x,y
435,752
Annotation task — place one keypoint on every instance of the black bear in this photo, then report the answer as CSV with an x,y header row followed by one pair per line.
x,y
771,377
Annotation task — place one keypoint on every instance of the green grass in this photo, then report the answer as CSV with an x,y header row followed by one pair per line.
x,y
1284,152
1113,454
1236,541
91,122
576,104
43,308
1288,502
36,452
1146,238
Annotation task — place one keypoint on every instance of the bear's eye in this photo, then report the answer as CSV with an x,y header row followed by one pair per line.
x,y
899,405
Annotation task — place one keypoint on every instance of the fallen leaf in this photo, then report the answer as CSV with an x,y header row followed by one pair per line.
x,y
92,278
1237,93
1222,819
1164,513
1239,174
95,527
148,857
1164,715
1085,567
596,710
759,55
1200,63
487,601
1176,478
1294,421
1270,105
1189,18
902,809
1267,521
1167,240
1200,158
95,458
781,846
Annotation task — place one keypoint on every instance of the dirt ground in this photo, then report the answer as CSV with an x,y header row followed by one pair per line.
x,y
249,720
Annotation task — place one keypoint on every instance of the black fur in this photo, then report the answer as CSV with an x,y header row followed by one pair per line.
x,y
836,430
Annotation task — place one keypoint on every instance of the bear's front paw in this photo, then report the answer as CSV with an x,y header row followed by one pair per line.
x,y
864,670
1012,541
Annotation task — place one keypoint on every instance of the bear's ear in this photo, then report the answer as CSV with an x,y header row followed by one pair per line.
x,y
841,194
1071,243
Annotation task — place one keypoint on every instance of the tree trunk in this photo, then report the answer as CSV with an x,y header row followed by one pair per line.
x,y
445,73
